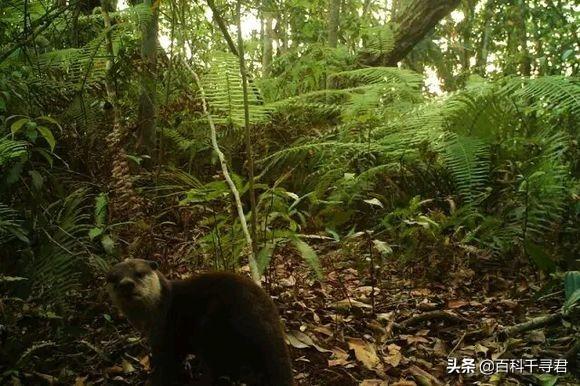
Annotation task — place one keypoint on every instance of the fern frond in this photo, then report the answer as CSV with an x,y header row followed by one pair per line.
x,y
554,92
468,161
223,88
378,40
543,188
10,225
63,249
389,75
10,150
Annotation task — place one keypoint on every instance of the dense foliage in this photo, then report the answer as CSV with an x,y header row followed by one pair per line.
x,y
465,152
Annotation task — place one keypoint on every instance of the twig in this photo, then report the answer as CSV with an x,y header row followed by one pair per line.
x,y
533,324
574,350
457,344
249,152
252,259
222,26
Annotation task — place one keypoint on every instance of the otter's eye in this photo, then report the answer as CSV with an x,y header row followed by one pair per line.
x,y
140,274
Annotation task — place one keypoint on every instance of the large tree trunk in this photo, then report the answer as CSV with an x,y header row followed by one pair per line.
x,y
412,23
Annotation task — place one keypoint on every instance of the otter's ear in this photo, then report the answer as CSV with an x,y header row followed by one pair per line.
x,y
153,264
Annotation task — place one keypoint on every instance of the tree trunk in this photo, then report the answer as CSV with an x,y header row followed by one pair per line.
x,y
525,60
333,21
147,101
268,38
283,34
481,62
412,24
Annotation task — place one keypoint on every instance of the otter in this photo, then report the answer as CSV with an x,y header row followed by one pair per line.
x,y
224,319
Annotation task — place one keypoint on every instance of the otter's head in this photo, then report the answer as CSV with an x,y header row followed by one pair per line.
x,y
134,285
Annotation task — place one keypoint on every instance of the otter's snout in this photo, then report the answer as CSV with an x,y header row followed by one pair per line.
x,y
126,286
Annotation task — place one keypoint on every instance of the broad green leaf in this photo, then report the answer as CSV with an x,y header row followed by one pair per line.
x,y
572,288
47,135
134,158
46,155
547,379
49,119
383,247
334,234
95,232
374,201
539,257
567,54
108,244
31,133
309,255
37,179
18,125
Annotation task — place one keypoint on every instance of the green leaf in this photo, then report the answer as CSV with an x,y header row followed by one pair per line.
x,y
567,54
134,158
31,133
383,247
334,234
539,257
95,232
18,125
101,204
20,235
309,255
108,244
547,379
572,289
49,119
37,179
47,135
9,279
264,256
374,201
46,155
14,173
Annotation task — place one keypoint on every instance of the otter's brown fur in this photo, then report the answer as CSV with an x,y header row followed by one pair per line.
x,y
225,319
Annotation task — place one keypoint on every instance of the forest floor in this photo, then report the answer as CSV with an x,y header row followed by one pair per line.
x,y
335,334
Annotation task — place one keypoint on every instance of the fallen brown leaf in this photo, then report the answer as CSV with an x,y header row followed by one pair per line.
x,y
364,352
373,382
395,356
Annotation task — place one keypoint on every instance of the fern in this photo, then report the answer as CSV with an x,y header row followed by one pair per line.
x,y
223,87
543,189
469,163
549,92
10,150
11,225
62,250
378,40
